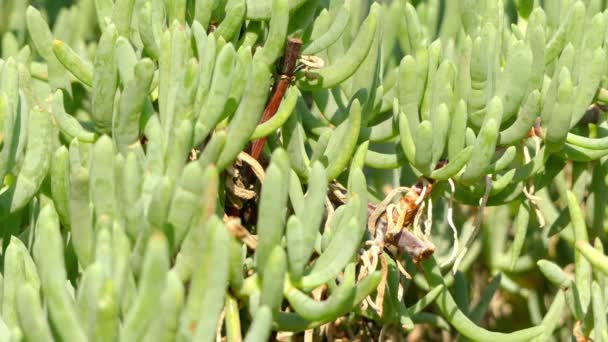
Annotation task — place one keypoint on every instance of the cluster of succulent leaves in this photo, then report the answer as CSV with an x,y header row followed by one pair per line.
x,y
120,118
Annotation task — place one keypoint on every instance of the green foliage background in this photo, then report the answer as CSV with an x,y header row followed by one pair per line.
x,y
130,211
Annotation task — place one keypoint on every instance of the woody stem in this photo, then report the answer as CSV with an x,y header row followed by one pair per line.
x,y
292,52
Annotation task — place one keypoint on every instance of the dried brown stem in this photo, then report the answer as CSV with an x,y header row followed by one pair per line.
x,y
283,80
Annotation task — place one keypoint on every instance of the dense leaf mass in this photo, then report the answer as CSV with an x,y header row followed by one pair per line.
x,y
319,169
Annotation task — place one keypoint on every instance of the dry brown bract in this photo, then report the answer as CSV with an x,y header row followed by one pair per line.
x,y
233,224
397,225
238,190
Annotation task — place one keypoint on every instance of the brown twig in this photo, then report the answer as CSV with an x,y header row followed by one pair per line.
x,y
292,52
246,209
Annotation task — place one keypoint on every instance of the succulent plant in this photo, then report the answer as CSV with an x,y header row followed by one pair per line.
x,y
260,169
